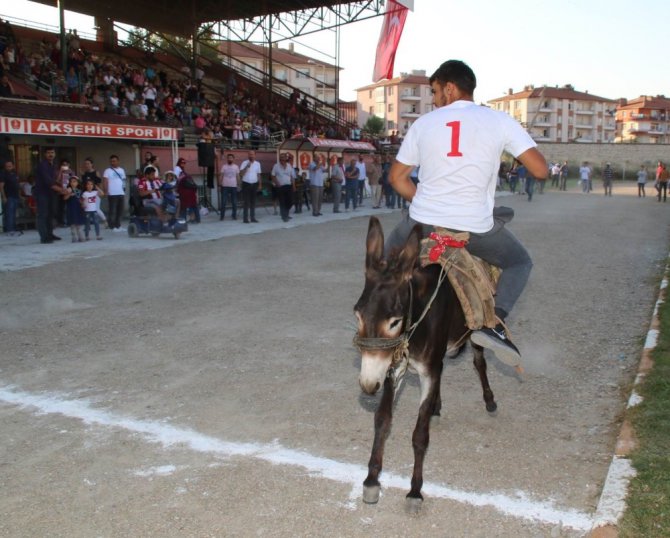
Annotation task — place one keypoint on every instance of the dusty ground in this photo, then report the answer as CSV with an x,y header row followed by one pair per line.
x,y
210,388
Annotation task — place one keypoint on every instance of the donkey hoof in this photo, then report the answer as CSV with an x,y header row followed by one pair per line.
x,y
491,407
413,505
371,494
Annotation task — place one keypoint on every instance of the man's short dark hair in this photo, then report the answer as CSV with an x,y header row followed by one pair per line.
x,y
49,148
458,73
149,170
113,157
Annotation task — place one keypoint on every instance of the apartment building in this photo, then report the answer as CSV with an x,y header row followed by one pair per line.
x,y
645,120
398,101
314,78
561,114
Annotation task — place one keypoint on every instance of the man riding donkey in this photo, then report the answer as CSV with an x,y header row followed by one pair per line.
x,y
458,148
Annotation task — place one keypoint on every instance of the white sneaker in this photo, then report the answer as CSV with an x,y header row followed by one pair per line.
x,y
120,229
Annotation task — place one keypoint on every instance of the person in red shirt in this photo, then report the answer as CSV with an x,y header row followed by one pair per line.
x,y
188,197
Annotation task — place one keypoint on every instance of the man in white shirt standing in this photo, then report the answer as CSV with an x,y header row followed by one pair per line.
x,y
251,175
229,181
283,177
458,147
585,177
317,172
114,187
362,176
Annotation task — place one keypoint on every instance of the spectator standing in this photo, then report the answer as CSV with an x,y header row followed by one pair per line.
x,y
229,183
46,190
75,211
188,195
9,191
374,173
336,182
114,186
251,174
555,174
90,173
608,178
663,178
362,176
283,177
641,181
563,176
351,177
513,177
317,173
585,177
90,201
64,175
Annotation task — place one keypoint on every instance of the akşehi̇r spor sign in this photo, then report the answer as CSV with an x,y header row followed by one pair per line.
x,y
85,129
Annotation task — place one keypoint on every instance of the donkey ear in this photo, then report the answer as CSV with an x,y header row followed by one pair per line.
x,y
374,244
410,252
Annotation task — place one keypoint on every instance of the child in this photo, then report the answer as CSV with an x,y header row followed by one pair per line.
x,y
73,209
170,203
89,202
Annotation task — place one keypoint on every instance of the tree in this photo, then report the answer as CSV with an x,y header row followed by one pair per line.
x,y
374,126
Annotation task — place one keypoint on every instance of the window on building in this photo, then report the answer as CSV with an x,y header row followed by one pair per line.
x,y
371,110
370,94
302,72
390,108
390,92
390,125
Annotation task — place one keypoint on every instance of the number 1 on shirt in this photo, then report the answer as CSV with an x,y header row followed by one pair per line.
x,y
455,138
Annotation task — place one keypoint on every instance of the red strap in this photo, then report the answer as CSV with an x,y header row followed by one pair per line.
x,y
441,243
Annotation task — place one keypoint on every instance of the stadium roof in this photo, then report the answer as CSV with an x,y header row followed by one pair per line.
x,y
179,17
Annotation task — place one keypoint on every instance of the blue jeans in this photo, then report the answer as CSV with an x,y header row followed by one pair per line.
x,y
92,217
9,209
530,187
225,194
350,193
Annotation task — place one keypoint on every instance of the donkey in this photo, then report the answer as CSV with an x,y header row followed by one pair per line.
x,y
398,290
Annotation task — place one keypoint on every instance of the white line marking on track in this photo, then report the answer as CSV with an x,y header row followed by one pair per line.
x,y
652,338
519,506
613,499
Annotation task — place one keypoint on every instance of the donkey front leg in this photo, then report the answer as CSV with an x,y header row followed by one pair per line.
x,y
383,417
480,365
430,390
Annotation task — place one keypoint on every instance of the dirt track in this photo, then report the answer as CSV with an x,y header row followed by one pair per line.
x,y
210,389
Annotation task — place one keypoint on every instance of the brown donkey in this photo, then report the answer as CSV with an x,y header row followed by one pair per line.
x,y
407,318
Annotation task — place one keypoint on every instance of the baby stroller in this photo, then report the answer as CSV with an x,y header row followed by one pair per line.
x,y
144,220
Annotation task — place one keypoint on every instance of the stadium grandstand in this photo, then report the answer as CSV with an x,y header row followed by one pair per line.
x,y
166,80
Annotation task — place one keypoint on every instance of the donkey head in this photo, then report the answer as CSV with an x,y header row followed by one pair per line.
x,y
384,305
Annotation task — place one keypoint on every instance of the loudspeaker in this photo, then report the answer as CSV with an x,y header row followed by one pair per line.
x,y
205,154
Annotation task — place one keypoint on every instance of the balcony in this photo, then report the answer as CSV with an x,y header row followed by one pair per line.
x,y
584,111
410,96
585,126
409,114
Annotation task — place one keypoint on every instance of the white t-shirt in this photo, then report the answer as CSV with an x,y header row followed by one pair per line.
x,y
584,172
116,180
252,172
458,148
90,201
362,172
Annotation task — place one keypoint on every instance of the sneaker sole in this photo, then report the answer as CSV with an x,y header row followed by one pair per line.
x,y
504,353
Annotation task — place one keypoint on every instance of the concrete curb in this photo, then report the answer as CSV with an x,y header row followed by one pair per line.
x,y
612,502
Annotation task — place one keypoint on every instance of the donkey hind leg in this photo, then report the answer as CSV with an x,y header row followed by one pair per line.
x,y
383,417
480,365
421,438
437,404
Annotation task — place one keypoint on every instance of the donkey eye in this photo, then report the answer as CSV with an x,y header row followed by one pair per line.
x,y
394,323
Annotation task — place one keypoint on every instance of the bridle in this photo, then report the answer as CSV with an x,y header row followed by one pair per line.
x,y
400,344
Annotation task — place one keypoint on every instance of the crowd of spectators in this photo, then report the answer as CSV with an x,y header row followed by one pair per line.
x,y
245,115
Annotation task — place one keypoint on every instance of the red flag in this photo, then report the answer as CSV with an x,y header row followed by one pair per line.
x,y
394,21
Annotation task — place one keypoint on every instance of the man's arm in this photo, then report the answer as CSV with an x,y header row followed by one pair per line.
x,y
400,180
535,162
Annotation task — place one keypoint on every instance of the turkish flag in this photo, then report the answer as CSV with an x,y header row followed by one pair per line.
x,y
394,21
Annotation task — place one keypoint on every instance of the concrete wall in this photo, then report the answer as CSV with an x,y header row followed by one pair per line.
x,y
622,157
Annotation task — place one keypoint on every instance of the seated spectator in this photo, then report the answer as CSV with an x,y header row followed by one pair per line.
x,y
6,89
149,189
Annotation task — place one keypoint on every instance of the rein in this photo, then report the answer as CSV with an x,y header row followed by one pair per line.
x,y
400,344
